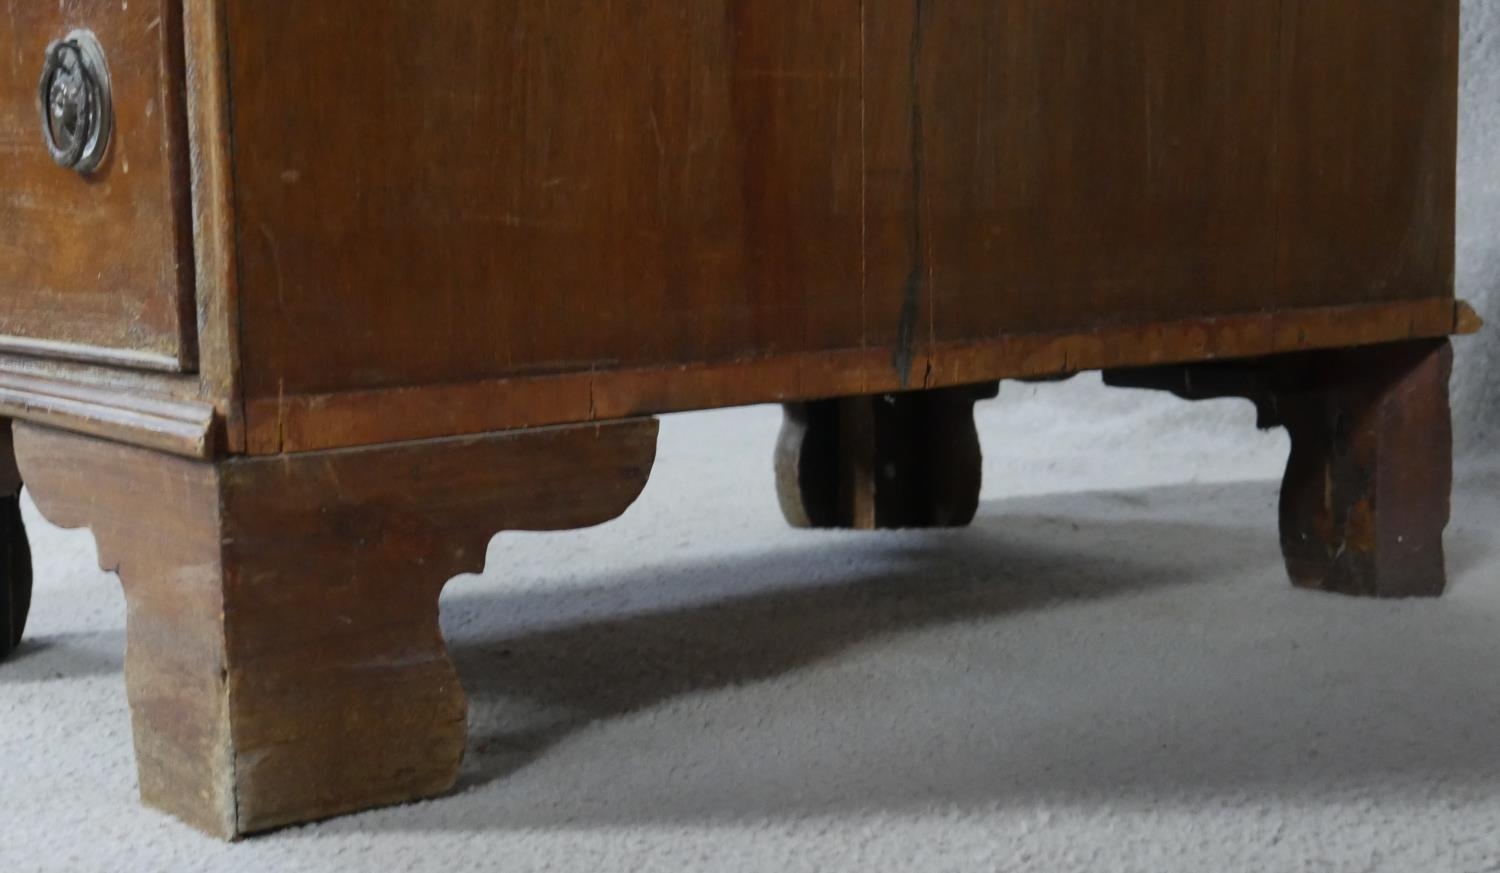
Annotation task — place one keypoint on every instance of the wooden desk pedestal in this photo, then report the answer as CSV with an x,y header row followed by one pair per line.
x,y
356,284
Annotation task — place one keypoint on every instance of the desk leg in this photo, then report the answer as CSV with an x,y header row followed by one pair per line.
x,y
284,661
884,461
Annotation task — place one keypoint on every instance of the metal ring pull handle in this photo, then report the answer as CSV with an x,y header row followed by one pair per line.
x,y
74,98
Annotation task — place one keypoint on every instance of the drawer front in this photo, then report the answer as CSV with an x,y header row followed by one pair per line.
x,y
97,266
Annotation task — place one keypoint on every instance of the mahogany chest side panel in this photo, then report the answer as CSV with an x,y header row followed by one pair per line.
x,y
456,190
1097,163
446,193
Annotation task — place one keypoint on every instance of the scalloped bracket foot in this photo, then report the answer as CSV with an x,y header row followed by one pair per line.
x,y
1366,493
284,661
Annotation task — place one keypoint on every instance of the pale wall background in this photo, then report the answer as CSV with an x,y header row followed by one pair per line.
x,y
1477,380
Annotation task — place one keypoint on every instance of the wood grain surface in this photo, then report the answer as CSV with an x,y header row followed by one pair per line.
x,y
541,188
413,220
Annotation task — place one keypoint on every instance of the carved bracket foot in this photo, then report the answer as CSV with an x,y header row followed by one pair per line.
x,y
284,660
1366,493
884,461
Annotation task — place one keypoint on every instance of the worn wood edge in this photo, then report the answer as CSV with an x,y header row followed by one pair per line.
x,y
175,426
176,133
92,354
171,386
1466,322
303,423
213,214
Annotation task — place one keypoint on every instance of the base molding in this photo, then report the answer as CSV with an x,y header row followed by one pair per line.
x,y
168,413
187,428
310,422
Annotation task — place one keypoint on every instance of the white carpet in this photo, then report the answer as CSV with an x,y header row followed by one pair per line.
x,y
1108,672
